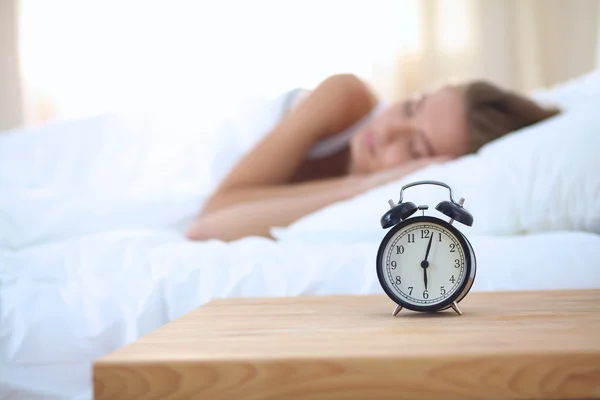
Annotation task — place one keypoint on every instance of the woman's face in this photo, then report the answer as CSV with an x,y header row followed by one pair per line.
x,y
426,126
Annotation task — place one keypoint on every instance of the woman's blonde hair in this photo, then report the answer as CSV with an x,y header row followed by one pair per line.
x,y
492,112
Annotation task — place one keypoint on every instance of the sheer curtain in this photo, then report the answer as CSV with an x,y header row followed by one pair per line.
x,y
521,44
79,58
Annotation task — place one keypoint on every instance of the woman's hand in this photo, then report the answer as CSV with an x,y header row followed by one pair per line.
x,y
389,175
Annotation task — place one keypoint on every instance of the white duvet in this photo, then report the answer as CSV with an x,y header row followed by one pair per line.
x,y
92,254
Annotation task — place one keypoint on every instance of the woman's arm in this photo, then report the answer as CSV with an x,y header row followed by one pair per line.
x,y
256,218
337,103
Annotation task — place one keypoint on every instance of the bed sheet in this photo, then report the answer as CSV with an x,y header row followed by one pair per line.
x,y
65,303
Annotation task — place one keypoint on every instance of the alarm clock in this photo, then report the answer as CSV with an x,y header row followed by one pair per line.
x,y
424,263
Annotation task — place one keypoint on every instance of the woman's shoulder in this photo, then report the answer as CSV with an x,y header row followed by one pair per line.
x,y
339,141
351,85
362,104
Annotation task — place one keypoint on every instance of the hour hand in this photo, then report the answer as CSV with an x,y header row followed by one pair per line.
x,y
425,277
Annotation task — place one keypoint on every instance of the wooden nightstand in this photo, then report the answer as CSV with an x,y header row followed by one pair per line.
x,y
521,345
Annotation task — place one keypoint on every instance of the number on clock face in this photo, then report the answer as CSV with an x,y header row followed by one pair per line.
x,y
419,277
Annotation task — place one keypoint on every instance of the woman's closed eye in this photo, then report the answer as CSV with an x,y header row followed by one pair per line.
x,y
413,105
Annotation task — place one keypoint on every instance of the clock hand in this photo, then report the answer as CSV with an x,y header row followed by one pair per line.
x,y
428,246
425,263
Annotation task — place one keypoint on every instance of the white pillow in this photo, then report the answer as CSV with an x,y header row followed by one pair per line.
x,y
571,93
540,178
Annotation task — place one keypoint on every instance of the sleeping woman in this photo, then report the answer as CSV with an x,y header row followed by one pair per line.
x,y
339,140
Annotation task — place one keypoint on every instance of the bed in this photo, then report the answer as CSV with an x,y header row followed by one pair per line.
x,y
92,214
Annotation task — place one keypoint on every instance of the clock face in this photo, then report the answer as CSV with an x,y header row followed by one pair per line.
x,y
424,264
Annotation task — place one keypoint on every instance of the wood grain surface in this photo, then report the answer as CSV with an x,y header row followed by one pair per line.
x,y
519,345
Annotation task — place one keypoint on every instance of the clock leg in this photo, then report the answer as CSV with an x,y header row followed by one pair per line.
x,y
455,307
397,310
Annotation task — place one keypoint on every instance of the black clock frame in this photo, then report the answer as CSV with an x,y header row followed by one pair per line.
x,y
470,265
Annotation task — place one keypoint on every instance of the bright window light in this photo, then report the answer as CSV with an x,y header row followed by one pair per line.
x,y
96,55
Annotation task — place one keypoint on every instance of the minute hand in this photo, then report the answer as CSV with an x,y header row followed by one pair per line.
x,y
428,247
